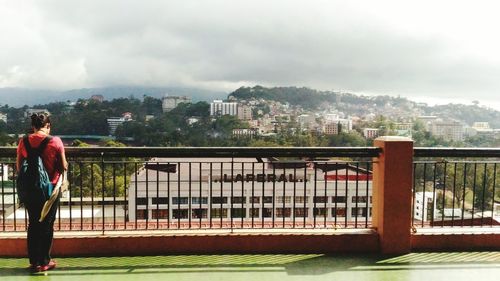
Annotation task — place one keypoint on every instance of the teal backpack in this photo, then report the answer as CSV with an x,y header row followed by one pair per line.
x,y
33,177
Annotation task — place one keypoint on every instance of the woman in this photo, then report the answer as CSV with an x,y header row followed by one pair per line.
x,y
40,234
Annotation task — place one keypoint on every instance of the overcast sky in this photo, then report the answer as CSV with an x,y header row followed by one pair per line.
x,y
424,50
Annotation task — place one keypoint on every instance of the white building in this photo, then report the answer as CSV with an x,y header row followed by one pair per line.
x,y
220,108
114,122
171,102
246,188
370,133
31,111
448,130
423,205
3,117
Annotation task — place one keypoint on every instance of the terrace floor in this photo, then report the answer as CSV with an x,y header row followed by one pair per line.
x,y
415,266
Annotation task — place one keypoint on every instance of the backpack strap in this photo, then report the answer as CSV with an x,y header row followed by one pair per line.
x,y
39,150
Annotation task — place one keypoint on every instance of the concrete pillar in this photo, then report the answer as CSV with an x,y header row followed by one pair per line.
x,y
392,194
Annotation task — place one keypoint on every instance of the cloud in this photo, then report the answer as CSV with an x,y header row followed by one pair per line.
x,y
420,49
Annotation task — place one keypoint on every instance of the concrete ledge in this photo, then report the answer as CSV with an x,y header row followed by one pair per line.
x,y
456,239
195,242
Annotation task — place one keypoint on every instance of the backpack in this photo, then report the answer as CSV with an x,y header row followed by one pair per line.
x,y
33,178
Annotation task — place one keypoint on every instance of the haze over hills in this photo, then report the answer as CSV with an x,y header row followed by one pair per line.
x,y
19,97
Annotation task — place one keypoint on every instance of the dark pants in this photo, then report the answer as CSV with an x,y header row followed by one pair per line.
x,y
40,234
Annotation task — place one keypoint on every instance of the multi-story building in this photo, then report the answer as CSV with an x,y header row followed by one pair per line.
x,y
171,102
331,128
249,189
448,130
114,122
220,108
3,117
370,133
245,112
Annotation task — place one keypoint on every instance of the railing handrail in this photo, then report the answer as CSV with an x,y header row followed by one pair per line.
x,y
456,152
217,152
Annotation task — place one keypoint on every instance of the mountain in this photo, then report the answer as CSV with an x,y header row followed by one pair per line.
x,y
18,97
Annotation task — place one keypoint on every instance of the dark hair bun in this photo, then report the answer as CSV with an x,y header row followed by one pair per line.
x,y
39,120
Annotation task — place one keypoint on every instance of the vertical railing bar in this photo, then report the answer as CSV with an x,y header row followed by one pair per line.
x,y
357,196
295,196
325,179
114,195
179,195
232,193
201,196
146,170
3,196
484,193
315,196
81,195
221,192
284,194
454,194
103,190
414,194
493,192
157,195
305,199
263,196
169,198
274,197
444,192
125,192
243,197
92,193
136,195
424,209
434,195
346,194
336,192
210,196
368,197
14,201
463,194
190,209
253,195
474,192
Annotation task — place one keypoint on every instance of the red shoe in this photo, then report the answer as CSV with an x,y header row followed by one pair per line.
x,y
51,265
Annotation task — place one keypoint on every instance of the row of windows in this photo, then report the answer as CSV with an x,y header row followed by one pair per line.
x,y
255,212
252,199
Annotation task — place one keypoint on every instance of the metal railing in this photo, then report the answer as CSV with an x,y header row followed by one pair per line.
x,y
206,188
456,187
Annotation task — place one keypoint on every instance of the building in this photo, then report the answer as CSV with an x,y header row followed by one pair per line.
x,y
245,113
448,130
427,120
31,111
220,108
252,132
249,189
114,122
370,133
423,205
331,128
306,121
3,117
171,102
97,98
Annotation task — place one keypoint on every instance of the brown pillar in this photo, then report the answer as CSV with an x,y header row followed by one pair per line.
x,y
392,192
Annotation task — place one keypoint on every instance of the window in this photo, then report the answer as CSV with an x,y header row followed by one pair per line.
x,y
160,214
218,213
338,199
254,212
219,200
320,199
197,200
142,201
358,212
283,212
285,199
321,212
267,212
142,214
301,212
268,199
180,213
339,212
179,200
255,199
301,199
160,200
199,213
360,199
238,212
238,200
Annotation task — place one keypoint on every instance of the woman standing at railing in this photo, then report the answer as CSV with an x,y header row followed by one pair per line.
x,y
40,233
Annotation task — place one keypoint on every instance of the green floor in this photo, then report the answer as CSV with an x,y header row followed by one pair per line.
x,y
469,266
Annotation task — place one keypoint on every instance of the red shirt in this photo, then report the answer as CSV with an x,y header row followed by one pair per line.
x,y
50,156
